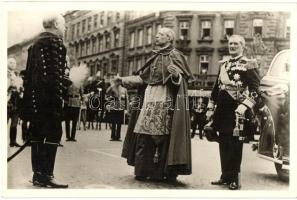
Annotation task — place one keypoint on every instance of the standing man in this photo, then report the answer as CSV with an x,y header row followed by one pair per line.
x,y
199,114
46,86
117,105
158,140
71,108
13,103
235,93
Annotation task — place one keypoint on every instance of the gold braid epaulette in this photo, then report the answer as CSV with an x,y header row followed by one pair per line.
x,y
249,63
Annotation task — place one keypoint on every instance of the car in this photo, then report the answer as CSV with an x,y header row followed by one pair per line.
x,y
273,119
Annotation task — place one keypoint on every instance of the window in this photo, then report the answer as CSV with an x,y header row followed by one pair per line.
x,y
78,29
82,49
288,28
100,49
77,50
92,69
101,19
109,18
158,27
140,37
257,27
130,66
95,21
117,38
184,30
88,47
149,35
203,64
107,41
83,26
89,23
205,29
132,39
138,63
72,31
94,45
118,16
228,28
114,66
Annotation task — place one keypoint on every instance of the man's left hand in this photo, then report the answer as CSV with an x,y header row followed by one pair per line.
x,y
174,70
241,109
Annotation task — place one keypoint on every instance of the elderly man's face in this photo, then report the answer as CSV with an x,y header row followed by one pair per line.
x,y
235,47
162,39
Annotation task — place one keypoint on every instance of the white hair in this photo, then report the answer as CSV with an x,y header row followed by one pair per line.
x,y
50,20
169,32
240,39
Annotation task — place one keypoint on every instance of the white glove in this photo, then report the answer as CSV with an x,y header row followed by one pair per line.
x,y
241,109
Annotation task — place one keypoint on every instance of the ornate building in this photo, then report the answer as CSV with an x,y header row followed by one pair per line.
x,y
119,42
96,38
202,37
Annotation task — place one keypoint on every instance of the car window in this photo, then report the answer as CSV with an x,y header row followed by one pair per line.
x,y
281,66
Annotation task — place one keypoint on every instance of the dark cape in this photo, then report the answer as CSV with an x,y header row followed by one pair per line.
x,y
179,151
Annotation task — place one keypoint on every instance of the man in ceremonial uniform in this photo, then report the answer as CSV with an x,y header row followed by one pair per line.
x,y
45,88
235,94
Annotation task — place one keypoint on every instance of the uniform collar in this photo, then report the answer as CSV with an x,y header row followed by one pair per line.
x,y
235,58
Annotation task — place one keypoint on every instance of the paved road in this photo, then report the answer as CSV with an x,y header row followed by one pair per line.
x,y
95,162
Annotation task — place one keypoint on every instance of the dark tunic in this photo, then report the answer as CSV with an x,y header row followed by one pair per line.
x,y
45,87
237,82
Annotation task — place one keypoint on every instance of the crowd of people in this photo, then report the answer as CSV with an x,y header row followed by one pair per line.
x,y
158,138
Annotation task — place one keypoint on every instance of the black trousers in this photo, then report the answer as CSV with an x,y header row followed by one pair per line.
x,y
71,114
231,156
14,116
200,120
116,131
25,131
46,136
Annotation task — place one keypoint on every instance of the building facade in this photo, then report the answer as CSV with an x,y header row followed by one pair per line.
x,y
202,37
115,42
19,52
96,39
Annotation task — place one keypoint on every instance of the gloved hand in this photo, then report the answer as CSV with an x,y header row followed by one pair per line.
x,y
209,115
241,109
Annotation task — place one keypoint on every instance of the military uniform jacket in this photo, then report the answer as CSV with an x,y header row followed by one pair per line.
x,y
237,83
46,79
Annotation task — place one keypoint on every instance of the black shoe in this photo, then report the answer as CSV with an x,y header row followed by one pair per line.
x,y
38,180
52,183
234,186
141,178
220,182
171,179
68,139
73,140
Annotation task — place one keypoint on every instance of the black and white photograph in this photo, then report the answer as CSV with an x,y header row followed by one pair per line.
x,y
107,99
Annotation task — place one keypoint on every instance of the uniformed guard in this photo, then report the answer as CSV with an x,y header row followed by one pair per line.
x,y
13,103
235,93
45,89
